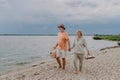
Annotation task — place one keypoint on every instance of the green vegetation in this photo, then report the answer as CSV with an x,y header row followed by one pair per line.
x,y
107,37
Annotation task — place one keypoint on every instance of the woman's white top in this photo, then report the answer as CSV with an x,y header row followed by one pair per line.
x,y
79,45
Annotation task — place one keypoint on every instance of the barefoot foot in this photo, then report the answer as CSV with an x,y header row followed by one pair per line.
x,y
75,72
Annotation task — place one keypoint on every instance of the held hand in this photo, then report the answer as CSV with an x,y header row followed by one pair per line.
x,y
69,49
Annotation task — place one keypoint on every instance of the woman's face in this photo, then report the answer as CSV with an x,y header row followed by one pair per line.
x,y
78,34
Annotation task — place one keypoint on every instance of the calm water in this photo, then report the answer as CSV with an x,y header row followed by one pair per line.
x,y
17,51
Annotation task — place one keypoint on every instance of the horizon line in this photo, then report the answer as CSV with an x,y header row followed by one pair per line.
x,y
49,34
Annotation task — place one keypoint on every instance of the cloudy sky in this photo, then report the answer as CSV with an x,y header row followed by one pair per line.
x,y
43,16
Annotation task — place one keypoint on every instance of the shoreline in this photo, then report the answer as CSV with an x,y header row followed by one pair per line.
x,y
110,48
48,68
35,63
49,60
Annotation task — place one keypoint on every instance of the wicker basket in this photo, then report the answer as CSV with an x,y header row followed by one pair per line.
x,y
53,53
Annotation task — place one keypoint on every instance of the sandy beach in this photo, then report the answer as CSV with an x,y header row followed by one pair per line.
x,y
106,66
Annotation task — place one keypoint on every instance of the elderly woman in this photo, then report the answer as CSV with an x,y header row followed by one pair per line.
x,y
78,46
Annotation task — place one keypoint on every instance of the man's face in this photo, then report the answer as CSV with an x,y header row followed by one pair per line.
x,y
61,29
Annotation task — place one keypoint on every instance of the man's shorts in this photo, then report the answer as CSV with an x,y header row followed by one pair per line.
x,y
61,53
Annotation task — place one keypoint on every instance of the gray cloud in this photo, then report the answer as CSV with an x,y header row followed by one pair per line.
x,y
46,11
81,4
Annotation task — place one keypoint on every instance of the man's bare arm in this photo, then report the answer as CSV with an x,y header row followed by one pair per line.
x,y
55,46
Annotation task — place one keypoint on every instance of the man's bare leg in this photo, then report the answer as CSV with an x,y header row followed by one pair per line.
x,y
64,63
59,62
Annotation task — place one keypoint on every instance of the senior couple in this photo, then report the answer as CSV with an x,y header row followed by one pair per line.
x,y
63,45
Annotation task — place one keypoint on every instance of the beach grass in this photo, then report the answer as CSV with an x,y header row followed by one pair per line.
x,y
107,37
